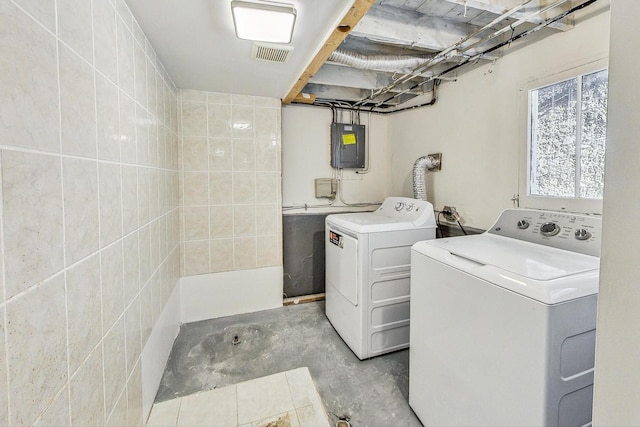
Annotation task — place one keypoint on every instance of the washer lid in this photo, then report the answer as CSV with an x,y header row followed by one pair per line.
x,y
543,273
526,259
369,222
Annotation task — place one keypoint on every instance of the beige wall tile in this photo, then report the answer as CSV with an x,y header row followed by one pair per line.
x,y
44,12
220,188
133,331
196,188
220,123
111,272
218,98
77,104
268,219
242,99
125,58
146,313
144,195
220,154
104,31
244,220
266,124
131,267
74,26
115,368
140,71
142,136
129,198
244,187
195,155
118,417
144,249
193,95
58,413
244,155
83,310
268,187
242,121
32,215
87,393
30,103
221,224
134,398
221,255
152,89
4,386
196,257
269,251
194,119
267,154
196,223
36,350
108,127
127,134
110,203
244,253
81,214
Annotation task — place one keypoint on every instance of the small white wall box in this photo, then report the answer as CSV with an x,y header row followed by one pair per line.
x,y
326,188
347,146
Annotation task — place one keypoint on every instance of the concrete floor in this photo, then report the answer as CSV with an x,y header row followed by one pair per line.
x,y
373,392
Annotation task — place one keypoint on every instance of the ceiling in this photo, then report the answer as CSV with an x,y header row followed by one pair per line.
x,y
391,56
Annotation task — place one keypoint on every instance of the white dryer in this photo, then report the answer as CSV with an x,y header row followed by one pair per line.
x,y
503,323
367,273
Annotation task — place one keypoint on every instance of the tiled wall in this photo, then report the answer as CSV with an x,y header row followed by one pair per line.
x,y
230,182
89,219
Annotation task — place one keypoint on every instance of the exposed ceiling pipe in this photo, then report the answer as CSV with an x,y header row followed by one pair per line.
x,y
491,49
391,63
451,50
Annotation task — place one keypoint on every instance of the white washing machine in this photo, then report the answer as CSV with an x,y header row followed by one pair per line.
x,y
503,323
368,257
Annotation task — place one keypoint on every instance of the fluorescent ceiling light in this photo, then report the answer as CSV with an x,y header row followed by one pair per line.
x,y
264,21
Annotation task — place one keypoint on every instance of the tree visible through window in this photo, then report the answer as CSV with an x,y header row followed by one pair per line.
x,y
567,137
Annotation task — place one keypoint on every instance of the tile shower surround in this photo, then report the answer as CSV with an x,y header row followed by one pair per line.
x,y
89,216
231,216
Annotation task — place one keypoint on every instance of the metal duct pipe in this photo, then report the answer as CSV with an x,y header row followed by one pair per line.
x,y
391,63
420,168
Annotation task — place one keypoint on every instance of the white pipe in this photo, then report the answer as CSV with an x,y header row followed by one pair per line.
x,y
377,62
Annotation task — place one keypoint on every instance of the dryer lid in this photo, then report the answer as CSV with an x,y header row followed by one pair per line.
x,y
529,260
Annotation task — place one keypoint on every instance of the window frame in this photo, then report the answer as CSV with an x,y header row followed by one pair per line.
x,y
570,204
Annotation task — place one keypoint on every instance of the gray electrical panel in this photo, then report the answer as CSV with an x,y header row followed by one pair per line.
x,y
347,146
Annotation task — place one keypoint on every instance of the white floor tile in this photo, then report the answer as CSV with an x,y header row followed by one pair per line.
x,y
210,408
312,416
303,391
263,397
165,414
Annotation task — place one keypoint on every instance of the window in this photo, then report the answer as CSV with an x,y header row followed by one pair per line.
x,y
567,134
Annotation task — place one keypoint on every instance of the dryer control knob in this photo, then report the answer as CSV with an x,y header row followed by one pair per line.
x,y
549,229
523,224
399,206
582,234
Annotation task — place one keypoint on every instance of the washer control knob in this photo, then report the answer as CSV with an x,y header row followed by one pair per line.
x,y
410,207
582,234
549,229
523,224
399,206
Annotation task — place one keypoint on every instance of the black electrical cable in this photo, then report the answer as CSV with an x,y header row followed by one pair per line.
x,y
461,227
438,226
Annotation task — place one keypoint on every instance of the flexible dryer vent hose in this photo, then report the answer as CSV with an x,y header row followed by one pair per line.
x,y
420,168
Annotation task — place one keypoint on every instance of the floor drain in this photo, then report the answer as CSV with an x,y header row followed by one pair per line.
x,y
236,340
343,423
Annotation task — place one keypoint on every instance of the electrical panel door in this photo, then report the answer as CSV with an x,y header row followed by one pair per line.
x,y
347,146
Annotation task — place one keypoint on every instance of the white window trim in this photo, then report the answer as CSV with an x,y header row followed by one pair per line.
x,y
587,206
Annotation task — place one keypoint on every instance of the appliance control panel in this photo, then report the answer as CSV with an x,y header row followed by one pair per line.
x,y
407,209
563,230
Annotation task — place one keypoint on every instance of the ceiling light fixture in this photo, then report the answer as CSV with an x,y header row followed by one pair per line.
x,y
263,21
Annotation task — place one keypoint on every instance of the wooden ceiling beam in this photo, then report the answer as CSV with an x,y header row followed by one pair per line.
x,y
349,21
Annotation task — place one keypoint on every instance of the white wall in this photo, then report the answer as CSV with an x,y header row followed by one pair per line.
x,y
479,126
306,138
617,379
